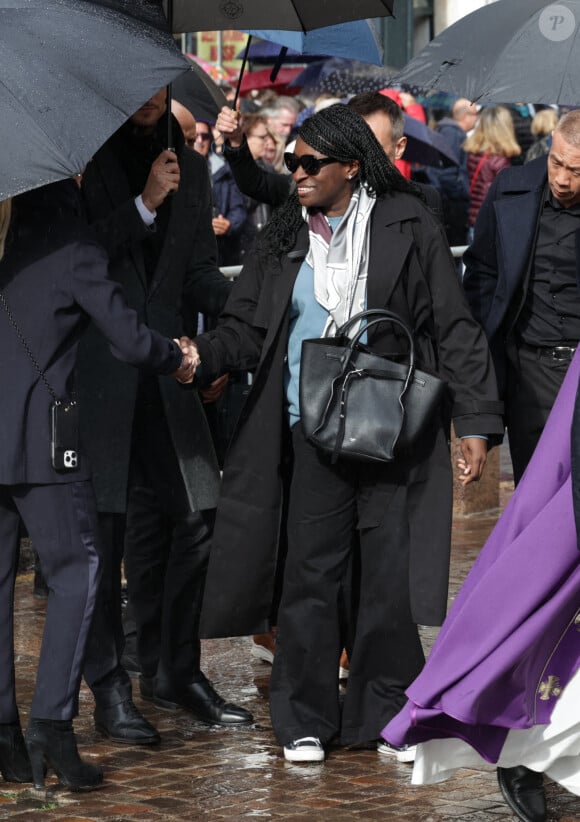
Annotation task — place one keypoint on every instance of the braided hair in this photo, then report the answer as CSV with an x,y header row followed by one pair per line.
x,y
340,133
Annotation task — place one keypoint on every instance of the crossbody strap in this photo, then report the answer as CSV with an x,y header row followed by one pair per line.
x,y
26,347
476,172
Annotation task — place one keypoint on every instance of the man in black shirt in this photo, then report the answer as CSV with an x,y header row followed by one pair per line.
x,y
521,281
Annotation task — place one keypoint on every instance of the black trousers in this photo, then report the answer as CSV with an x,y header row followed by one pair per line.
x,y
103,671
61,521
386,655
533,382
166,553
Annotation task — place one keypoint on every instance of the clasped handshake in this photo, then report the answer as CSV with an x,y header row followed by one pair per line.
x,y
186,371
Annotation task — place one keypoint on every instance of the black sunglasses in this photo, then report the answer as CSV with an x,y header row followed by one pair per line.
x,y
309,163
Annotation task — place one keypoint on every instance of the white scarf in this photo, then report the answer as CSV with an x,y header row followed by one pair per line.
x,y
340,260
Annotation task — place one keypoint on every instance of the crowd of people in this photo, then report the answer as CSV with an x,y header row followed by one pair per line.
x,y
327,562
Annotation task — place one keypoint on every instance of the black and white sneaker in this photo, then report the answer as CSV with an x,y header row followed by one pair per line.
x,y
306,749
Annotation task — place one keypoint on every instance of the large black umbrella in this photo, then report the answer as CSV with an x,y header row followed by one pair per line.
x,y
199,93
505,52
72,71
292,15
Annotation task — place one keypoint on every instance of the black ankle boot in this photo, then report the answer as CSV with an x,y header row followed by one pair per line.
x,y
14,761
52,742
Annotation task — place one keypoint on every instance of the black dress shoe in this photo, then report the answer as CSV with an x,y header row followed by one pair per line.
x,y
199,698
14,761
523,790
123,723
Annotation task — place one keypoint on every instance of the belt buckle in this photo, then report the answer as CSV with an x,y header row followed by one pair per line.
x,y
563,352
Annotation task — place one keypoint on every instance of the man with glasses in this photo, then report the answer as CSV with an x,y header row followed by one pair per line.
x,y
229,211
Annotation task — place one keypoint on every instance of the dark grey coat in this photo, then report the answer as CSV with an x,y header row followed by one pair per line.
x,y
411,272
186,281
54,278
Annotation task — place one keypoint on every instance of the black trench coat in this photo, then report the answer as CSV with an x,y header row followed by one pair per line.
x,y
412,273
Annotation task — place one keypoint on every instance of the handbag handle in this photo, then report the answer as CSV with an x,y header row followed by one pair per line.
x,y
377,316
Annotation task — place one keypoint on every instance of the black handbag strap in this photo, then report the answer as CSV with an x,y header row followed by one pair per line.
x,y
376,317
26,347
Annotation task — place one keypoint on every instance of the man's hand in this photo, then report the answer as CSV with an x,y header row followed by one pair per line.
x,y
474,450
220,225
186,372
228,122
163,179
214,391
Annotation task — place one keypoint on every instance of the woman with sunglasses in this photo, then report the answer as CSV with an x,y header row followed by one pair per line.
x,y
367,544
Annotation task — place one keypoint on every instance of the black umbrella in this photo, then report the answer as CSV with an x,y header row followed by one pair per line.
x,y
72,71
292,15
199,93
426,146
505,52
342,77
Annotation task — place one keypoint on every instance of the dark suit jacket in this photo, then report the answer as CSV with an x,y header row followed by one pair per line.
x,y
54,278
497,262
185,281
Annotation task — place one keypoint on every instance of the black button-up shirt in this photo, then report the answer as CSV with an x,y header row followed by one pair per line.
x,y
551,311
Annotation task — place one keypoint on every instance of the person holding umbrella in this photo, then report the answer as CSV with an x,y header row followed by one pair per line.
x,y
154,465
53,281
348,195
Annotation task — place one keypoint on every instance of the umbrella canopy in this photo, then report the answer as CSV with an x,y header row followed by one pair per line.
x,y
508,51
356,40
255,80
342,77
290,15
267,52
214,71
72,72
426,146
199,93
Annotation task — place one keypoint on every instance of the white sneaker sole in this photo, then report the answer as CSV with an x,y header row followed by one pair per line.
x,y
407,755
262,653
303,756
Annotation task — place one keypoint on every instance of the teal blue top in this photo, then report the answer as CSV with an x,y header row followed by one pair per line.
x,y
307,321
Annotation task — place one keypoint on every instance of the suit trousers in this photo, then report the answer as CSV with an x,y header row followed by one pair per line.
x,y
61,520
103,671
532,384
166,556
326,508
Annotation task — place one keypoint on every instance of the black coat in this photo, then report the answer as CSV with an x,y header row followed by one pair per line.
x,y
54,278
411,272
498,260
185,281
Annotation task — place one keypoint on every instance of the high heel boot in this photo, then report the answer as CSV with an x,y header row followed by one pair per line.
x,y
14,761
52,743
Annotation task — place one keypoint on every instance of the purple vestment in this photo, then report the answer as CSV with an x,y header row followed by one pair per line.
x,y
511,640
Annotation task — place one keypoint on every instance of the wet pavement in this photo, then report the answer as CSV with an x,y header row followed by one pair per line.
x,y
200,772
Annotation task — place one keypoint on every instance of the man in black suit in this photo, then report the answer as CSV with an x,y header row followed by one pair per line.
x,y
521,281
155,471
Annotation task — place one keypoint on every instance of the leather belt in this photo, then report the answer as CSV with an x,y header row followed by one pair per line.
x,y
561,353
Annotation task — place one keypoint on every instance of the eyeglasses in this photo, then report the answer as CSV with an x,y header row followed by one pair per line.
x,y
202,135
309,163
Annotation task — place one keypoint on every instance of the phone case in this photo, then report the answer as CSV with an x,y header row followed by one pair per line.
x,y
65,436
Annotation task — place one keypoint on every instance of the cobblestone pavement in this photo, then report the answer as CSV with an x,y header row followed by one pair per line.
x,y
203,773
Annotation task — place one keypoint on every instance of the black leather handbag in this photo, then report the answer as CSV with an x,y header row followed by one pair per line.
x,y
357,403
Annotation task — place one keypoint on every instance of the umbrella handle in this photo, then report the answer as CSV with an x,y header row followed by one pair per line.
x,y
244,61
169,88
278,63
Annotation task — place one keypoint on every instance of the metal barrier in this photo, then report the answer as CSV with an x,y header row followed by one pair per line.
x,y
233,271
